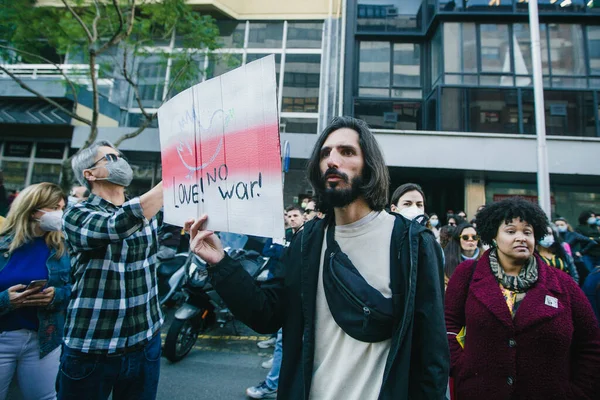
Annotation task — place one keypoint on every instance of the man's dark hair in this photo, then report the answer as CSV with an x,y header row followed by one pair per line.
x,y
583,217
407,187
292,208
375,174
491,217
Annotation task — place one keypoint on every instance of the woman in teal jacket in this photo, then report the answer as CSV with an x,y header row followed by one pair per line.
x,y
34,291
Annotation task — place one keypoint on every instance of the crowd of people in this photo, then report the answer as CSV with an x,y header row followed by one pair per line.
x,y
369,297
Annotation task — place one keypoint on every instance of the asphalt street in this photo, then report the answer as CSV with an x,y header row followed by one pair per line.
x,y
220,366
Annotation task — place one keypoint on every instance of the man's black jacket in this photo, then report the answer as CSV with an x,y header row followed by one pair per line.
x,y
418,363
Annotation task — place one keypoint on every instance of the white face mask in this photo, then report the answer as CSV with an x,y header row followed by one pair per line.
x,y
411,212
51,221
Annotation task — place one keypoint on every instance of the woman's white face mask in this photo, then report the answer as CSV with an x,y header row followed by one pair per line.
x,y
51,221
411,212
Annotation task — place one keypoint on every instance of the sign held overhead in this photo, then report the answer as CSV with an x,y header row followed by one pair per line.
x,y
221,153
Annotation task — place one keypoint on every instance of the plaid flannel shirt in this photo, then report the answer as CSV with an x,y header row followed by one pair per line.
x,y
114,300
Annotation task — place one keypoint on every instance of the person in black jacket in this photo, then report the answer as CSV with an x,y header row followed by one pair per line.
x,y
361,300
588,227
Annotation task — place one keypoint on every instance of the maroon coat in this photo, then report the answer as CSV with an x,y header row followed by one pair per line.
x,y
544,353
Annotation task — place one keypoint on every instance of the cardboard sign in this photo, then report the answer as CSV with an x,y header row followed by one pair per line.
x,y
221,153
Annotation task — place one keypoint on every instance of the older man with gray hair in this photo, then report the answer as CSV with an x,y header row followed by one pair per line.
x,y
112,329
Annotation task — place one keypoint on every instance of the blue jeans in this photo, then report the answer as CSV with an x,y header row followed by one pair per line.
x,y
272,380
129,376
590,262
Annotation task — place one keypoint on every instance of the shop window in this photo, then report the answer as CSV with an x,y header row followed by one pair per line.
x,y
50,150
15,174
405,115
301,83
304,35
43,172
17,149
265,35
390,16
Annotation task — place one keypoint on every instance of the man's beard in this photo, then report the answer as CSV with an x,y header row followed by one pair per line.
x,y
333,197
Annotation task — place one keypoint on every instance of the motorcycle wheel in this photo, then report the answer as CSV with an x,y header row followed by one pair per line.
x,y
181,337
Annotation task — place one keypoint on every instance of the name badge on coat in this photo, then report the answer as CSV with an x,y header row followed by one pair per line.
x,y
551,301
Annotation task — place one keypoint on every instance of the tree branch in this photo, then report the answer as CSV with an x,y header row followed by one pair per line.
x,y
113,40
46,99
90,38
134,86
135,133
95,22
48,62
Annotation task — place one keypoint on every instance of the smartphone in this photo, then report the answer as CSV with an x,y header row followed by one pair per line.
x,y
37,284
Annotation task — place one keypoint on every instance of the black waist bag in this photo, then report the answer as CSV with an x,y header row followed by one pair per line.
x,y
358,308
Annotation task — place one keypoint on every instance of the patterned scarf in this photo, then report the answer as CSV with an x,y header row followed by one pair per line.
x,y
519,284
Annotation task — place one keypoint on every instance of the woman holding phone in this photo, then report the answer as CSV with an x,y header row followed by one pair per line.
x,y
34,291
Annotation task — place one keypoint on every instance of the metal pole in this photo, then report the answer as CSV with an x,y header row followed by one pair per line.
x,y
543,176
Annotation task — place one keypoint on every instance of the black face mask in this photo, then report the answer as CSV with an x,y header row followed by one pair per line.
x,y
358,308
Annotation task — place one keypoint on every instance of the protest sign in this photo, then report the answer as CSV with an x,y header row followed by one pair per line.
x,y
221,153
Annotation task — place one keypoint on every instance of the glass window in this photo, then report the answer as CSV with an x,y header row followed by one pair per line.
x,y
186,72
231,34
389,115
452,112
569,113
137,119
374,65
301,83
431,117
593,33
304,35
218,64
522,54
45,173
389,16
50,150
488,5
494,111
566,49
15,173
17,149
151,77
254,57
495,48
436,57
554,5
266,35
298,125
460,47
407,64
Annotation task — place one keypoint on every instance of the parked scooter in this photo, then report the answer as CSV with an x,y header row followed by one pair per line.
x,y
204,308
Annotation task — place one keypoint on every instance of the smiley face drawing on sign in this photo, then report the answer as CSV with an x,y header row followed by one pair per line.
x,y
185,150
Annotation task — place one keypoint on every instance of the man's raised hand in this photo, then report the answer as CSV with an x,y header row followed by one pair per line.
x,y
205,244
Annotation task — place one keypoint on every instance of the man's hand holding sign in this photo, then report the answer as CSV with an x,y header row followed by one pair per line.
x,y
204,243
